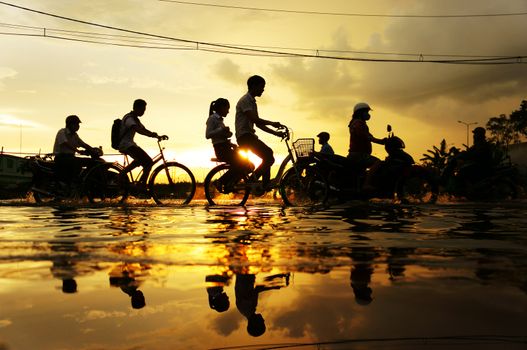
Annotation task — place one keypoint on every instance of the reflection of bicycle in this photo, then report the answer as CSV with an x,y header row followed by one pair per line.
x,y
169,183
299,185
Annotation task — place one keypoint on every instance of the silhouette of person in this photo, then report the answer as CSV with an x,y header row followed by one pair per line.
x,y
218,299
361,272
247,300
361,139
67,143
323,139
478,160
131,125
220,135
123,277
246,118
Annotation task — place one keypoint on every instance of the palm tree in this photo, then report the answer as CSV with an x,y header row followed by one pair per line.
x,y
438,157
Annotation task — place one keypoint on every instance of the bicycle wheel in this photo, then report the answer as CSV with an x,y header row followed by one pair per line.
x,y
216,192
416,189
304,186
103,184
172,183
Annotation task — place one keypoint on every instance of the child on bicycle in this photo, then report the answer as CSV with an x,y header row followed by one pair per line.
x,y
220,135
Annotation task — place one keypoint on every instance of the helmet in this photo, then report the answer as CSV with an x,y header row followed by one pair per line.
x,y
361,105
72,119
479,131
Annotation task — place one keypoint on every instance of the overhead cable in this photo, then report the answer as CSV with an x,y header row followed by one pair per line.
x,y
503,14
233,49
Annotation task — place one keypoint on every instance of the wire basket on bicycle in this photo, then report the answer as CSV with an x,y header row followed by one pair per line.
x,y
304,148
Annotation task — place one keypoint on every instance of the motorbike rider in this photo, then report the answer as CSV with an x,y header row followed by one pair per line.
x,y
67,143
323,139
361,139
477,161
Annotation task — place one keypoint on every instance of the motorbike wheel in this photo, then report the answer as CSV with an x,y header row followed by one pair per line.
x,y
215,192
103,184
416,189
304,187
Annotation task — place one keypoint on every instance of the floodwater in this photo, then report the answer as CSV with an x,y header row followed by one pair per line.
x,y
360,276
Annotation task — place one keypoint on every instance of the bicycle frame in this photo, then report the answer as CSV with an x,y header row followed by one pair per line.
x,y
159,157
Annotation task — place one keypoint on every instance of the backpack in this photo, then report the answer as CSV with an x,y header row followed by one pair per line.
x,y
116,133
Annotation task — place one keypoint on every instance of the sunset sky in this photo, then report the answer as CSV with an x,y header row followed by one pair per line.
x,y
44,79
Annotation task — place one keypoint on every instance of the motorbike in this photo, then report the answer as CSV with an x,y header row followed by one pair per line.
x,y
45,186
397,177
472,181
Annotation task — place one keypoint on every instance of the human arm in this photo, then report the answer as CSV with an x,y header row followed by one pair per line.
x,y
376,140
264,124
215,128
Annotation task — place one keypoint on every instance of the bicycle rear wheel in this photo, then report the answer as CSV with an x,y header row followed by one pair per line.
x,y
218,193
172,183
104,184
304,186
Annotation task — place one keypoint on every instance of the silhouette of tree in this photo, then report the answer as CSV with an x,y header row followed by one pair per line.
x,y
437,157
518,119
505,130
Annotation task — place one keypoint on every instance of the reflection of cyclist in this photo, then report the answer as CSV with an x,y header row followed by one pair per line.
x,y
131,125
220,135
218,299
246,118
247,300
67,143
124,278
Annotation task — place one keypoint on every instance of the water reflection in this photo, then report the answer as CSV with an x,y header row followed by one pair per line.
x,y
156,278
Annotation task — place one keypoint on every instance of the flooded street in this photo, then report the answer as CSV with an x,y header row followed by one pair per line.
x,y
360,275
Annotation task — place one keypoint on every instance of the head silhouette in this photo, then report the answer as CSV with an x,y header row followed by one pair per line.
x,y
139,107
138,299
69,286
256,325
219,302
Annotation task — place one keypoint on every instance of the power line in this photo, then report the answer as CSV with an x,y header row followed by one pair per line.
x,y
505,14
164,42
233,49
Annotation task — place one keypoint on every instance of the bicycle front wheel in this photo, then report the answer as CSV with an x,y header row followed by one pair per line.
x,y
172,183
303,187
104,184
220,193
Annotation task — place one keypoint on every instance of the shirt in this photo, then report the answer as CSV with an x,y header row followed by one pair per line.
x,y
326,149
243,124
359,137
128,132
216,130
65,135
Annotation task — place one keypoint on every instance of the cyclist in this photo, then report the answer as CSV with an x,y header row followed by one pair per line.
x,y
220,135
131,125
246,118
67,143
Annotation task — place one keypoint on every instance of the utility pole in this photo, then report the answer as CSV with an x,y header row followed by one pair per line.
x,y
467,125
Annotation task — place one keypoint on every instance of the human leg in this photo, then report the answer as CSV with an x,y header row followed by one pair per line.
x,y
263,151
140,158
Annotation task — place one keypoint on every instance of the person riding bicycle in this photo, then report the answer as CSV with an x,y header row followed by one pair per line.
x,y
220,135
478,161
246,118
67,143
361,139
131,125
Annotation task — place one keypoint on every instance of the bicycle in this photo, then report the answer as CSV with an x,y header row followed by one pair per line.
x,y
169,183
299,185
